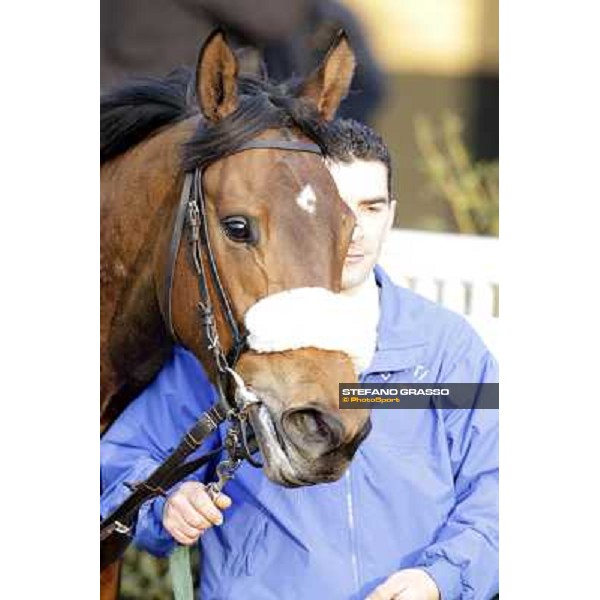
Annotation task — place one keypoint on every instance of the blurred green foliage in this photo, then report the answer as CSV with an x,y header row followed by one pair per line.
x,y
144,576
470,189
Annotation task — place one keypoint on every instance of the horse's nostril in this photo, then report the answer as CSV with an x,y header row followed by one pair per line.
x,y
312,426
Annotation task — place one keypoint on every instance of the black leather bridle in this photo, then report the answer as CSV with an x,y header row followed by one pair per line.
x,y
116,529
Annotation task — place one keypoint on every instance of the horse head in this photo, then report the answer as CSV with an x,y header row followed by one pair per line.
x,y
279,233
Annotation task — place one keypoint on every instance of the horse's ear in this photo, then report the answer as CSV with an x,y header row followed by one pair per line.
x,y
329,84
216,78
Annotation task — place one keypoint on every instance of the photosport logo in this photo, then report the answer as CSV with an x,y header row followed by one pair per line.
x,y
415,395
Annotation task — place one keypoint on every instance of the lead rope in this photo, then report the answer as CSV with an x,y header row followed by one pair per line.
x,y
180,569
180,565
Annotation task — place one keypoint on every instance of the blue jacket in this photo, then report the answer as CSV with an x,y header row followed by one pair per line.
x,y
422,490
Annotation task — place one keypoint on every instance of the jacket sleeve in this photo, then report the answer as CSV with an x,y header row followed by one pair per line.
x,y
145,434
463,560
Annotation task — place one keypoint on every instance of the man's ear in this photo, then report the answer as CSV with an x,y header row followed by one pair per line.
x,y
328,85
216,78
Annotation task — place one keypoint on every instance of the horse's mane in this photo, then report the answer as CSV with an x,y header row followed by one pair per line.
x,y
134,111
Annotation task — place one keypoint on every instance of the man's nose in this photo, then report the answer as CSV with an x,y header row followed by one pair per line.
x,y
357,233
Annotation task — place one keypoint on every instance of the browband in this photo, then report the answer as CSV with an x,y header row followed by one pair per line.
x,y
294,145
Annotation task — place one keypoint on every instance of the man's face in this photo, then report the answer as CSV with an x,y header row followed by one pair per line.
x,y
362,184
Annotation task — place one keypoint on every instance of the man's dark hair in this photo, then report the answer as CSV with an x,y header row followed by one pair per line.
x,y
347,139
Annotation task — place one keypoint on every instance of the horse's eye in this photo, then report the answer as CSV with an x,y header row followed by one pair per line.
x,y
238,229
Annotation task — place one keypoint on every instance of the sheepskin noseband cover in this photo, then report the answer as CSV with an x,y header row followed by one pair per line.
x,y
318,318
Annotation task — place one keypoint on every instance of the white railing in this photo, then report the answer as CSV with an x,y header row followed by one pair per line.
x,y
460,272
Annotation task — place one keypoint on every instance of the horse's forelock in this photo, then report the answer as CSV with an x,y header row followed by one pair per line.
x,y
262,106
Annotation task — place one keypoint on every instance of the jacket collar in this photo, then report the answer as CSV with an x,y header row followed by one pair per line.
x,y
400,344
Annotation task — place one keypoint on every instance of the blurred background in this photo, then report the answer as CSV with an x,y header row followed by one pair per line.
x,y
427,80
440,112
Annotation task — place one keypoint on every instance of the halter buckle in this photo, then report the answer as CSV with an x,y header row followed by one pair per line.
x,y
194,219
121,528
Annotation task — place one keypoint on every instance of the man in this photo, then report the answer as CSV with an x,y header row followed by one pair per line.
x,y
414,518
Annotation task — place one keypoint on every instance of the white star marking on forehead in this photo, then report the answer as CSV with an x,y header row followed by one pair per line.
x,y
307,200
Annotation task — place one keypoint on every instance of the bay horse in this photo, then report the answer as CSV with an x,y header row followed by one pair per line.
x,y
279,232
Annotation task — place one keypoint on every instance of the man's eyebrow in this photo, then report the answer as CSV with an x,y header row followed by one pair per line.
x,y
378,200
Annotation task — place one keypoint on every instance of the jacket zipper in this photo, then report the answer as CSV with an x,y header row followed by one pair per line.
x,y
351,525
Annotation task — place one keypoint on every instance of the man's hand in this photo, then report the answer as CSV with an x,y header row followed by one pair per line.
x,y
408,584
189,512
